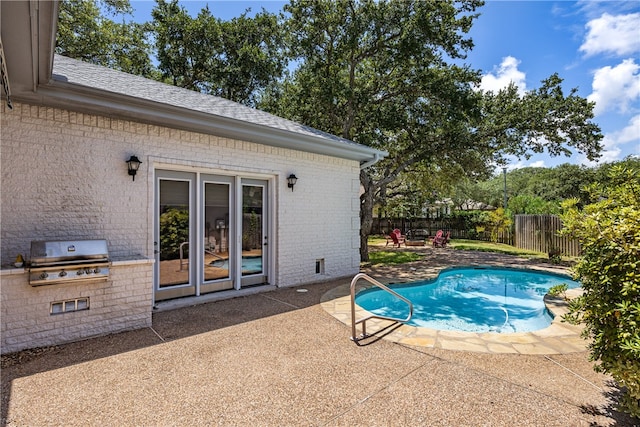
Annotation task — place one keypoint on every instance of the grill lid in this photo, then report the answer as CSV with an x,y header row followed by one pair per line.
x,y
60,252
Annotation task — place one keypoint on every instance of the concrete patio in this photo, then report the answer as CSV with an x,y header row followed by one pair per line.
x,y
280,359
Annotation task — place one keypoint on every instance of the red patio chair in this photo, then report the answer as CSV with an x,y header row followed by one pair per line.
x,y
397,238
440,240
437,238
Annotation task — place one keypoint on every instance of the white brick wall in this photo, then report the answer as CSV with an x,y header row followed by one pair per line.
x,y
64,176
121,303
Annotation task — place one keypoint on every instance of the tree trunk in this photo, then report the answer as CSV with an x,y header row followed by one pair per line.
x,y
366,215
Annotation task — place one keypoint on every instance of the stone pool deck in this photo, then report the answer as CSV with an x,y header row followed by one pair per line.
x,y
559,338
279,359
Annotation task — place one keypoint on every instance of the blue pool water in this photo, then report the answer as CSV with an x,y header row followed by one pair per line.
x,y
250,264
472,300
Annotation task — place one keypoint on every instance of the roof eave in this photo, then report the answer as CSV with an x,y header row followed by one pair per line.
x,y
95,101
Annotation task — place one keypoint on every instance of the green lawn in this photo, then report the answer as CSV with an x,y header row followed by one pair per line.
x,y
477,245
401,256
393,257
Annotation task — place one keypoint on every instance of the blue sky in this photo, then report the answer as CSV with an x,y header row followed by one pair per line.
x,y
592,45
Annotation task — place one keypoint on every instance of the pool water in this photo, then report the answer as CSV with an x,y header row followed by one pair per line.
x,y
250,264
471,299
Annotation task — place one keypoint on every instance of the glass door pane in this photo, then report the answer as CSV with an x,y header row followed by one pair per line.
x,y
218,241
254,237
174,239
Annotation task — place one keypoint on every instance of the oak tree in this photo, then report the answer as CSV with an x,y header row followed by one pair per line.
x,y
85,33
389,74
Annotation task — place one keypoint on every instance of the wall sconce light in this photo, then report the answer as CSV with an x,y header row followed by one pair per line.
x,y
133,164
291,181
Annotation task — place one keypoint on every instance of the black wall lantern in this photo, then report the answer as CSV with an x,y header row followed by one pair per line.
x,y
291,181
133,164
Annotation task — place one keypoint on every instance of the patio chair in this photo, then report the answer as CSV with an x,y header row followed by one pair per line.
x,y
440,240
397,238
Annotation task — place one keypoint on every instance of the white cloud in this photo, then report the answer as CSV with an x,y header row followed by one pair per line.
x,y
610,152
537,164
613,141
506,73
616,87
617,34
514,163
630,133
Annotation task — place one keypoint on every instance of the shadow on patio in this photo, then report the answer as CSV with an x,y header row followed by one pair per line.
x,y
277,358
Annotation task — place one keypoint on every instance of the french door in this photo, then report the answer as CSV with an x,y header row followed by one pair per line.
x,y
211,233
254,232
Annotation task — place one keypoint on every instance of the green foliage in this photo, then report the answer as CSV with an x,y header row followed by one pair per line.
x,y
234,59
500,223
251,233
535,190
559,290
84,33
555,256
174,230
475,222
603,173
541,120
532,205
609,231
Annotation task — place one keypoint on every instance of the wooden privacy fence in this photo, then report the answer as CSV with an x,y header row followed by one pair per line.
x,y
540,233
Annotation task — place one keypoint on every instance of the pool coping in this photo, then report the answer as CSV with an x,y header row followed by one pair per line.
x,y
559,338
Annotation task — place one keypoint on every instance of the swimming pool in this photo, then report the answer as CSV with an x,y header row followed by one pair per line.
x,y
471,299
250,264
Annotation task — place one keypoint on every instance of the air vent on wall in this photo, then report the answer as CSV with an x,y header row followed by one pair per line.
x,y
77,304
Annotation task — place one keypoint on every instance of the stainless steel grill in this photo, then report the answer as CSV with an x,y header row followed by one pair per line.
x,y
65,261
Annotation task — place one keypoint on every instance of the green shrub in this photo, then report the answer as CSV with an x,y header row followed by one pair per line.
x,y
174,230
500,223
555,255
559,290
608,229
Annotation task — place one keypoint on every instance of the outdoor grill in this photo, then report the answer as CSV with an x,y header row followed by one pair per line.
x,y
66,261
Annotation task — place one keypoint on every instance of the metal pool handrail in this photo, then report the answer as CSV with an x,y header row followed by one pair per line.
x,y
372,316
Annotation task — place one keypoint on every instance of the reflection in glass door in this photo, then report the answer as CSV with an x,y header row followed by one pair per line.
x,y
254,237
218,243
173,245
210,233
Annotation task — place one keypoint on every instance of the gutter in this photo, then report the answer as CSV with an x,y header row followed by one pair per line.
x,y
376,158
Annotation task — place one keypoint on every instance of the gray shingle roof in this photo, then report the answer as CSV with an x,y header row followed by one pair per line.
x,y
92,76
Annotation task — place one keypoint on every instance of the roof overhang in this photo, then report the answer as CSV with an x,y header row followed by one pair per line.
x,y
28,39
95,101
28,34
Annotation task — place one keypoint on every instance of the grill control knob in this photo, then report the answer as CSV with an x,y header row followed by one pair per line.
x,y
44,275
62,273
96,270
88,270
80,272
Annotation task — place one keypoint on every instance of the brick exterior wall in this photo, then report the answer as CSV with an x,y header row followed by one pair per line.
x,y
119,304
64,177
